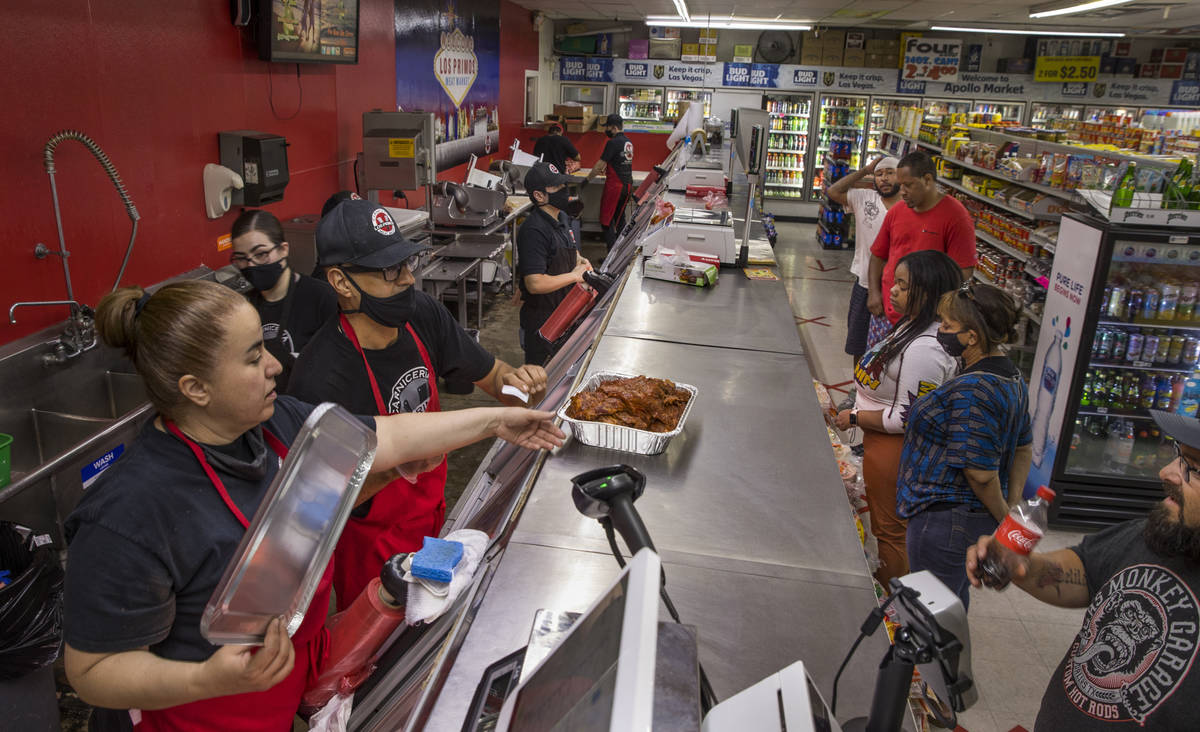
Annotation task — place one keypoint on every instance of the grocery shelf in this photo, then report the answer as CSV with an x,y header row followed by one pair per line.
x,y
787,132
993,202
1048,190
1080,150
1159,326
788,114
1006,248
784,185
1104,412
784,150
1141,366
776,167
842,127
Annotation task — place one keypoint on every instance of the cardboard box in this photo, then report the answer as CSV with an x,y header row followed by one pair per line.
x,y
810,57
1168,55
692,273
573,112
1147,71
854,57
1191,67
1126,66
809,38
834,37
1108,64
1170,71
639,48
831,58
856,40
875,45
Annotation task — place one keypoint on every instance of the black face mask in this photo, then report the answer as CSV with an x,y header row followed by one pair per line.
x,y
951,344
610,133
392,311
263,277
560,199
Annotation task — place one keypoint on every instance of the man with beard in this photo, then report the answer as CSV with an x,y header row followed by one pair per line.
x,y
383,354
1133,657
930,220
869,202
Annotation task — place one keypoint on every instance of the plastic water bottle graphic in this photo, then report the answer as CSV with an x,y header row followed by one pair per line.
x,y
1048,391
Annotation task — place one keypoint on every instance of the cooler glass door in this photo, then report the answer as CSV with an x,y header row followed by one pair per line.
x,y
640,103
593,94
840,138
676,97
787,144
1008,111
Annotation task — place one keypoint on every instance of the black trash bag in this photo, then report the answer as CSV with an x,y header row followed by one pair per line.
x,y
30,604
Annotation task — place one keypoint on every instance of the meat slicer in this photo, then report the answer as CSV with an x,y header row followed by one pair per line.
x,y
455,204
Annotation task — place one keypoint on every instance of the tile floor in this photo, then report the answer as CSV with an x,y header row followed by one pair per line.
x,y
1016,641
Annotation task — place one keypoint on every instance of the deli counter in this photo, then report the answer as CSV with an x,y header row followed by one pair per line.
x,y
746,507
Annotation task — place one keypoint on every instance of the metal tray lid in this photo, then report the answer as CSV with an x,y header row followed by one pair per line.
x,y
283,556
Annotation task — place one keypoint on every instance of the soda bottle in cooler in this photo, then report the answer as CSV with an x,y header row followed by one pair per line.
x,y
1147,391
1103,345
1119,341
1149,305
1017,535
1168,302
1150,348
1133,350
1163,392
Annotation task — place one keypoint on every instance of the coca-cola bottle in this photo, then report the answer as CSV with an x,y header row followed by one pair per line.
x,y
1017,535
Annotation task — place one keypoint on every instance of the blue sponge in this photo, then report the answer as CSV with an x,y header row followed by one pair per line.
x,y
437,559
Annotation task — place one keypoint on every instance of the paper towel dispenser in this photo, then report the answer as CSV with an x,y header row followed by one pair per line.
x,y
261,159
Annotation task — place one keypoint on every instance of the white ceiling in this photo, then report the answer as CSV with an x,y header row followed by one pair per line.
x,y
1139,17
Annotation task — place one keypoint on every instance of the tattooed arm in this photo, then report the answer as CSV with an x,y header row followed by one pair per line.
x,y
1057,578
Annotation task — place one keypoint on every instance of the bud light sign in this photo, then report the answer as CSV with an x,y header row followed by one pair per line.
x,y
804,77
572,68
757,76
1074,89
1185,92
637,70
908,86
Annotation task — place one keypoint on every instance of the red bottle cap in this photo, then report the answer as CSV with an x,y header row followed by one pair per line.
x,y
1044,492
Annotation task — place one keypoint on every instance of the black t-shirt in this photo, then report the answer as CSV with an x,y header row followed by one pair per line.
x,y
308,304
1131,663
618,154
331,370
544,246
555,149
151,539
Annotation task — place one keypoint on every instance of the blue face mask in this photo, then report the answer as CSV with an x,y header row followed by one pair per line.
x,y
950,342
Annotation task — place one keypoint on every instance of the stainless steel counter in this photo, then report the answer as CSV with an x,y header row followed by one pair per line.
x,y
738,313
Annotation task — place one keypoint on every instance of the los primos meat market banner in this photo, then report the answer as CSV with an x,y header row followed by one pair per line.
x,y
448,63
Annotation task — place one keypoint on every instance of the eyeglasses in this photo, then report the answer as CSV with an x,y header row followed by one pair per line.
x,y
260,257
389,274
1188,468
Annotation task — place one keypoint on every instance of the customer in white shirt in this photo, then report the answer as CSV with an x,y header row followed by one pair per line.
x,y
869,200
889,378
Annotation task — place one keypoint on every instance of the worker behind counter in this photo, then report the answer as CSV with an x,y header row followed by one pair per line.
x,y
291,306
556,149
616,162
383,354
151,539
548,258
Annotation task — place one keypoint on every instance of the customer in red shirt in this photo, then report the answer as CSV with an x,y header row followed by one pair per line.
x,y
930,220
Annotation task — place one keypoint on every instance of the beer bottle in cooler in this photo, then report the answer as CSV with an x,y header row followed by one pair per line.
x,y
1015,538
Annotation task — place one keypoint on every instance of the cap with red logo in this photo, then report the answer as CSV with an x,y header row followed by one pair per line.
x,y
362,233
543,175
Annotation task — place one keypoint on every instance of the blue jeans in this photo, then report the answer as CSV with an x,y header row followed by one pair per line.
x,y
938,541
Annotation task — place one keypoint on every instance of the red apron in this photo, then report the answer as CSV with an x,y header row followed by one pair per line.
x,y
401,515
613,200
273,709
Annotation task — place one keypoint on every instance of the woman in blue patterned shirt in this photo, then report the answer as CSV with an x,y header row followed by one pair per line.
x,y
967,441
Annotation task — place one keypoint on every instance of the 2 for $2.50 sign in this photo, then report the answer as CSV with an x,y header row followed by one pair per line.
x,y
933,59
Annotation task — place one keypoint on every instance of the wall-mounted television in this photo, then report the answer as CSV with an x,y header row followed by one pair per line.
x,y
309,31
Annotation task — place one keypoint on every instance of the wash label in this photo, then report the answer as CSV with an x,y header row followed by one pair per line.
x,y
92,470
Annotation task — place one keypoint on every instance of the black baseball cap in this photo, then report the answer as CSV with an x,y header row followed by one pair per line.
x,y
1185,430
543,175
364,234
335,199
614,120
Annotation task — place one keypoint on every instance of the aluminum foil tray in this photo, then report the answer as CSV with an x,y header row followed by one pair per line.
x,y
616,437
283,555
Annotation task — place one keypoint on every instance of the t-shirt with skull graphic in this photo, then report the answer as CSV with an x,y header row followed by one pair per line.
x,y
618,154
312,302
331,370
1132,664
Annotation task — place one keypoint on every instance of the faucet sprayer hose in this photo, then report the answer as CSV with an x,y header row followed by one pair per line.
x,y
101,157
113,175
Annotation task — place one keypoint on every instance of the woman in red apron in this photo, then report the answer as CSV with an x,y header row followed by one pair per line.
x,y
152,537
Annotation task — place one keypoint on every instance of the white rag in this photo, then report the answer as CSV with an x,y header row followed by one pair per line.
x,y
425,606
334,716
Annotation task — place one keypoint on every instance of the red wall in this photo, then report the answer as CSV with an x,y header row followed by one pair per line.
x,y
153,82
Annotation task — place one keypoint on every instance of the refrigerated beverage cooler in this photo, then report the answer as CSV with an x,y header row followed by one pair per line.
x,y
640,103
877,120
1007,111
935,109
1120,336
787,145
593,94
1045,114
841,132
676,97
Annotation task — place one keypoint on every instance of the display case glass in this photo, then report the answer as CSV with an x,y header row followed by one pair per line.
x,y
935,109
840,136
640,103
676,97
1143,356
881,110
1008,111
593,94
1045,114
787,144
